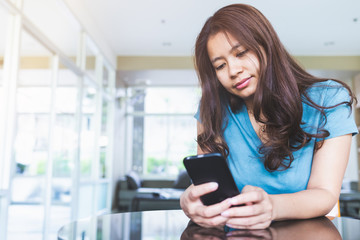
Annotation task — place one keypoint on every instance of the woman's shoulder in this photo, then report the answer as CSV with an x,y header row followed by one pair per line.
x,y
328,92
325,85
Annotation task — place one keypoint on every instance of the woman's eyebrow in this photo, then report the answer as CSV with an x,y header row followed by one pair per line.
x,y
216,59
235,47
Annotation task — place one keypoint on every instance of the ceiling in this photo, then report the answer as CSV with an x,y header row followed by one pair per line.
x,y
169,27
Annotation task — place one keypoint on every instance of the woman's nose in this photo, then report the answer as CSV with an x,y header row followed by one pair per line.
x,y
234,67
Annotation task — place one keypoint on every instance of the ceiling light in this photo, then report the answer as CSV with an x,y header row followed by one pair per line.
x,y
329,43
166,44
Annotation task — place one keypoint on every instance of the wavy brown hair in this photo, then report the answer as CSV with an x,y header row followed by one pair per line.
x,y
280,92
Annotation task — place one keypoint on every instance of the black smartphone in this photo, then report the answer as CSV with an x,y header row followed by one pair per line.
x,y
211,167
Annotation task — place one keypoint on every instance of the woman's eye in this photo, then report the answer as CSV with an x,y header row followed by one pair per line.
x,y
220,67
242,53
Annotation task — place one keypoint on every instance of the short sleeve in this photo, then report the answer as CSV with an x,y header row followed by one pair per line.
x,y
339,120
197,114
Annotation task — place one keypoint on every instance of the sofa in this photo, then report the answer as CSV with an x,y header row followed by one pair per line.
x,y
135,194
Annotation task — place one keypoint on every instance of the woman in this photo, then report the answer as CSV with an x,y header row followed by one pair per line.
x,y
285,133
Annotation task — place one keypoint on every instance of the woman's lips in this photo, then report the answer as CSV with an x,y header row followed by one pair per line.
x,y
243,83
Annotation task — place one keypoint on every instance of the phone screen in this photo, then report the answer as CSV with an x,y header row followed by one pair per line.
x,y
211,167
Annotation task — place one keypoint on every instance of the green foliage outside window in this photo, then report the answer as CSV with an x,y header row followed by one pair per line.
x,y
61,166
85,167
155,165
41,167
160,165
102,163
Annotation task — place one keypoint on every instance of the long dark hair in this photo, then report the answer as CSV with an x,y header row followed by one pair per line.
x,y
281,88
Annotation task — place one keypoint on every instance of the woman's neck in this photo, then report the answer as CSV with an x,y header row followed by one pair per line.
x,y
250,109
249,105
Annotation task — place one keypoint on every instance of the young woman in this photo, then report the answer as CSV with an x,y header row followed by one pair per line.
x,y
286,134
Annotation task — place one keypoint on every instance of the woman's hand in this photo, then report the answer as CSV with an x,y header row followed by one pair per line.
x,y
205,216
193,232
257,212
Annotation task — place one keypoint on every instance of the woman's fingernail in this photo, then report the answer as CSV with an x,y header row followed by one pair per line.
x,y
225,214
213,186
233,201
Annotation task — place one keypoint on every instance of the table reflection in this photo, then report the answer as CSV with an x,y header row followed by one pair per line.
x,y
132,225
173,224
319,228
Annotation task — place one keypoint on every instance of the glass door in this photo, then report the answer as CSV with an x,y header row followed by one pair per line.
x,y
32,143
64,150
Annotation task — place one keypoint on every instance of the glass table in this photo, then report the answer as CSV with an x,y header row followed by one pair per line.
x,y
173,224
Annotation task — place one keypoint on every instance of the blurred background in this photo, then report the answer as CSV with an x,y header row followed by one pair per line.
x,y
93,90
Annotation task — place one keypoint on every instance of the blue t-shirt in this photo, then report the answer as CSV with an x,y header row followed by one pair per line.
x,y
245,162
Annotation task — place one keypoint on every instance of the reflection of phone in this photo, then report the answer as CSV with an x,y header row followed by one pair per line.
x,y
212,167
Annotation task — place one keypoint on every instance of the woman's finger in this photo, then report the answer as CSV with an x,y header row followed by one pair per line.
x,y
249,195
214,210
253,222
245,211
210,222
199,190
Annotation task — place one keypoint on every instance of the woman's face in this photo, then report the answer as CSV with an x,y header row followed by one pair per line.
x,y
236,68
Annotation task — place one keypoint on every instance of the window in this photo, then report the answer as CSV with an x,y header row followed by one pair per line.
x,y
32,142
51,117
161,128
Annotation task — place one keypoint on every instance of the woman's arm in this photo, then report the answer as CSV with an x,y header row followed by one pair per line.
x,y
322,193
323,190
